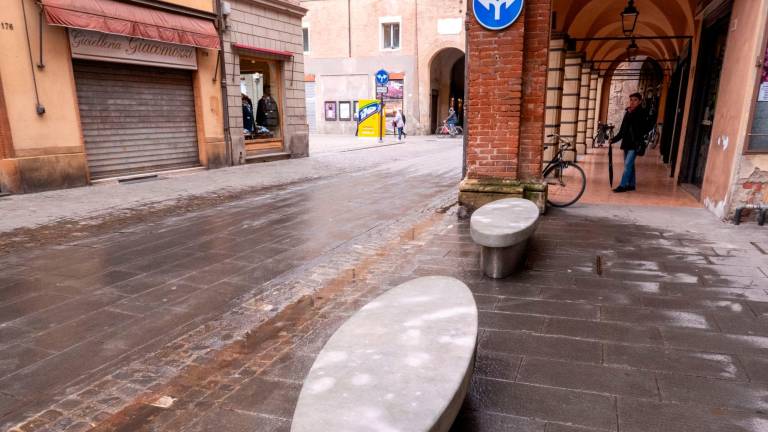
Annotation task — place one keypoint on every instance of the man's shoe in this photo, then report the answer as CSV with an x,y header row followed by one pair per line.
x,y
620,189
630,188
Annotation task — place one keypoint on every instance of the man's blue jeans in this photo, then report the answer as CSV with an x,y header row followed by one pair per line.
x,y
628,179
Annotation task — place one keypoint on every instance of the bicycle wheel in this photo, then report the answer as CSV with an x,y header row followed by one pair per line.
x,y
458,131
565,184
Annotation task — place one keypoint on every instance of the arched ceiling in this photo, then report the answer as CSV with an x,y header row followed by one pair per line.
x,y
601,18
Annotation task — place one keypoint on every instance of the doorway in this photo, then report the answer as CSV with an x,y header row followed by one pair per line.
x,y
707,81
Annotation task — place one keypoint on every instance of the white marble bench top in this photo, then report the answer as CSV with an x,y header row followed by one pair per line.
x,y
504,222
400,364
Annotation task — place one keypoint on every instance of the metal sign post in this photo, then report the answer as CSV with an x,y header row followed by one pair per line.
x,y
382,78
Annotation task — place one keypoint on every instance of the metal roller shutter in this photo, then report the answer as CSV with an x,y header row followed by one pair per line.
x,y
135,118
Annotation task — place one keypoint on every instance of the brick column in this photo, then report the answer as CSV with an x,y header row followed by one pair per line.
x,y
555,75
506,90
569,112
581,127
591,108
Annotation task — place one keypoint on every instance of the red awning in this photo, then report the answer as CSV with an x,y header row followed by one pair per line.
x,y
264,52
109,16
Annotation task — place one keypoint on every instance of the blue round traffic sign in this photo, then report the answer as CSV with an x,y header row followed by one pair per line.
x,y
497,14
382,77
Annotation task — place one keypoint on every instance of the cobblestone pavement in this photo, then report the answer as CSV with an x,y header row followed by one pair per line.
x,y
625,319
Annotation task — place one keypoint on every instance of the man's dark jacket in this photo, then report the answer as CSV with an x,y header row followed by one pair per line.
x,y
634,126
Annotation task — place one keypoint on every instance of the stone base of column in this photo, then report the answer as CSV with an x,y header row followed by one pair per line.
x,y
474,193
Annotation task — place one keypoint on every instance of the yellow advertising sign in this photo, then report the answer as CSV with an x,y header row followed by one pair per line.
x,y
369,118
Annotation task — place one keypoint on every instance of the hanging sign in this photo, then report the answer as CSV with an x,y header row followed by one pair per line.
x,y
497,14
91,45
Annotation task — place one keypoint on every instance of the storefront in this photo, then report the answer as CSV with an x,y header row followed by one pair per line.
x,y
119,89
137,103
264,68
262,100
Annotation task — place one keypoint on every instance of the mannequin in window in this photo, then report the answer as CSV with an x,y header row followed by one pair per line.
x,y
266,111
247,114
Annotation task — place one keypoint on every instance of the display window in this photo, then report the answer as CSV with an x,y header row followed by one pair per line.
x,y
758,135
261,99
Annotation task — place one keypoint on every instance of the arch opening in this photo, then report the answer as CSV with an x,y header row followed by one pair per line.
x,y
446,86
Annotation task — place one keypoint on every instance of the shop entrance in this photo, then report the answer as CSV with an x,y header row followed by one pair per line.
x,y
261,98
707,81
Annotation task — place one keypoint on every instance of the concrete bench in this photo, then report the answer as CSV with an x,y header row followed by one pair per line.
x,y
401,363
503,228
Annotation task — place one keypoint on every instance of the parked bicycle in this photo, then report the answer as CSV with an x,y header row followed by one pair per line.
x,y
603,135
447,130
566,181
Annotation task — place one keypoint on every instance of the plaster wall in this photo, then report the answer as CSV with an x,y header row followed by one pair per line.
x,y
58,130
204,5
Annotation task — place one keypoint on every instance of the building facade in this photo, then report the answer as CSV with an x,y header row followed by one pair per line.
x,y
263,57
106,89
419,42
701,64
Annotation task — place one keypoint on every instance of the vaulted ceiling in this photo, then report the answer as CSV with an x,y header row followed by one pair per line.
x,y
601,18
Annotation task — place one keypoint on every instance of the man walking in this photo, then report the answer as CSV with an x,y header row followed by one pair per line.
x,y
634,126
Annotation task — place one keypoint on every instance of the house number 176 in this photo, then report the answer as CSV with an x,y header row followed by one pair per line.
x,y
6,26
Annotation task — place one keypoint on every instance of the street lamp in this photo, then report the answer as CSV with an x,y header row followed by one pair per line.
x,y
629,18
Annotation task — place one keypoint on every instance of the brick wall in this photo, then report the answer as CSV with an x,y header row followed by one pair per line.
x,y
537,27
271,28
506,79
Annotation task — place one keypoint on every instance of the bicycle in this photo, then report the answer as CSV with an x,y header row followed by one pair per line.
x,y
566,181
604,133
445,130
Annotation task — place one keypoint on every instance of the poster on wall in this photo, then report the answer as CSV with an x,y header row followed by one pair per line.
x,y
330,111
345,110
763,94
393,101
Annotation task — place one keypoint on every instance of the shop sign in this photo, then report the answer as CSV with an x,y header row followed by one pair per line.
x,y
91,45
497,14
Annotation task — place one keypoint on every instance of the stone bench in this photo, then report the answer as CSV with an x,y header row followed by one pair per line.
x,y
503,228
401,363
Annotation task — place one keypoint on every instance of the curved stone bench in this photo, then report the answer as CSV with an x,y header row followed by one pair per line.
x,y
503,228
401,363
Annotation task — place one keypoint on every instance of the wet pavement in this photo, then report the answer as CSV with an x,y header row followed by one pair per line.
x,y
624,319
74,314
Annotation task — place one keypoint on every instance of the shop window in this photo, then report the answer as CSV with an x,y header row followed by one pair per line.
x,y
305,35
758,136
261,99
390,33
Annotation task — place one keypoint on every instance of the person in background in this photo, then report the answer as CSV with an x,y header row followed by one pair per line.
x,y
634,126
400,123
452,119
